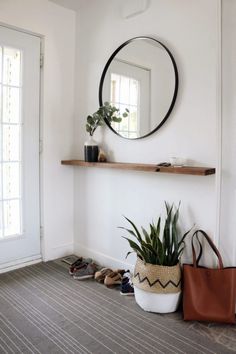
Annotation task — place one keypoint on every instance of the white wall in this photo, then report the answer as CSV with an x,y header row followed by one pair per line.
x,y
228,190
57,25
190,31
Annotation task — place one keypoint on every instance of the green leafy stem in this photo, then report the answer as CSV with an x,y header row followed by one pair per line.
x,y
106,112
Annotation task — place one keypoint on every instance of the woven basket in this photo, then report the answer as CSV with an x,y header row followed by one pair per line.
x,y
156,278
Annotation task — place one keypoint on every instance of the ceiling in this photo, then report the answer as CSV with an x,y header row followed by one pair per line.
x,y
69,4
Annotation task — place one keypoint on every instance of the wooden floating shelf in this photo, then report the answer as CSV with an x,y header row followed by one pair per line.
x,y
184,170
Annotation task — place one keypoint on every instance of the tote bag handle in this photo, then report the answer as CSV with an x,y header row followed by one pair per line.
x,y
196,260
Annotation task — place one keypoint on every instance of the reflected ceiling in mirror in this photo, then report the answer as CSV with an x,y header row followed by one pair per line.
x,y
141,76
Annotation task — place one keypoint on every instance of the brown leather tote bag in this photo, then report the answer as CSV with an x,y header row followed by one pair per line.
x,y
208,294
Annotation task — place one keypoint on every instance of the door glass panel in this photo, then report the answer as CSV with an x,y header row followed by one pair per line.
x,y
11,66
11,180
11,104
10,143
11,217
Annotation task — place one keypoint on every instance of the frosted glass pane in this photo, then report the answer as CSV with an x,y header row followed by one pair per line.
x,y
0,64
115,126
134,91
11,142
11,105
133,135
124,125
11,217
115,88
124,90
11,180
11,66
133,119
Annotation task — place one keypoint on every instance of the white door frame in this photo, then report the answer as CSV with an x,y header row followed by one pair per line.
x,y
33,260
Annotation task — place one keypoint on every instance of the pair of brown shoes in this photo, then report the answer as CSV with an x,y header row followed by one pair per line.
x,y
109,277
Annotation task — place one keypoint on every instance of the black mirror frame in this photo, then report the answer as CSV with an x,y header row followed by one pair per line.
x,y
175,90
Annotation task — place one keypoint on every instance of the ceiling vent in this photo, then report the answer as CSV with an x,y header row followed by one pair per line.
x,y
133,8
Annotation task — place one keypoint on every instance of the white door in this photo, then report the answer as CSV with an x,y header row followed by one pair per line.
x,y
19,147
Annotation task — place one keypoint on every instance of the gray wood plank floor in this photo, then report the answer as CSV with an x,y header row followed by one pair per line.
x,y
44,310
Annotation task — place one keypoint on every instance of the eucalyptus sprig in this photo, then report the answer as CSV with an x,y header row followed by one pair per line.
x,y
154,248
106,112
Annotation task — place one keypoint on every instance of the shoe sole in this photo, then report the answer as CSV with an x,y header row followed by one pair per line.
x,y
126,294
83,277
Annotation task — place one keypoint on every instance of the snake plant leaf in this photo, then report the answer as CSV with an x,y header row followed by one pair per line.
x,y
184,236
154,247
128,253
151,254
167,228
149,247
160,251
131,232
135,228
180,252
158,227
147,237
153,232
176,215
166,237
155,242
134,246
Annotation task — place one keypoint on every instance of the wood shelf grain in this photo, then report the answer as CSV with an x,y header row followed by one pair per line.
x,y
184,170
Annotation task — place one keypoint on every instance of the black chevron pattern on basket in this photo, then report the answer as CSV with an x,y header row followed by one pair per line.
x,y
156,281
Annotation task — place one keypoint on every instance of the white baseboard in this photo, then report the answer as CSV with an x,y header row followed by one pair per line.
x,y
20,263
101,258
63,250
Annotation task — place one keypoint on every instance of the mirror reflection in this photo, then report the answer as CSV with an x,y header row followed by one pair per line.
x,y
140,76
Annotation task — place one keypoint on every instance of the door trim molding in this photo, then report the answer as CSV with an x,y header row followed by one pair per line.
x,y
20,29
20,263
218,123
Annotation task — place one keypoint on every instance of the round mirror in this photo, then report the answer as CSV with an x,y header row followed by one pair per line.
x,y
141,76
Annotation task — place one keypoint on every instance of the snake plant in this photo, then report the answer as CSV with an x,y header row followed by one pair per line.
x,y
154,248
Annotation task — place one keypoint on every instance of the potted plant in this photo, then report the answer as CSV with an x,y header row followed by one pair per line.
x,y
106,113
157,273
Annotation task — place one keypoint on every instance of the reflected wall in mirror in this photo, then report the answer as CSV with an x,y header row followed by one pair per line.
x,y
141,76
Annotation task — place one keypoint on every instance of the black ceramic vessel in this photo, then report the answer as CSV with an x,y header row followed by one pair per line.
x,y
91,153
91,150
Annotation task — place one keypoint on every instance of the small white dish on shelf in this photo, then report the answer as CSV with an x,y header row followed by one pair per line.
x,y
177,161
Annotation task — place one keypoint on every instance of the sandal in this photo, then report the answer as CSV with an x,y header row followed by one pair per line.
x,y
114,278
80,262
101,274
